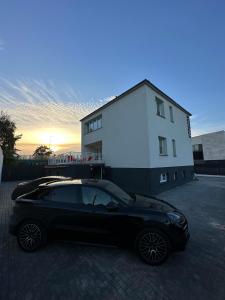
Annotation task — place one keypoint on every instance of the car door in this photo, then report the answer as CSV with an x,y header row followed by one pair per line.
x,y
108,215
68,216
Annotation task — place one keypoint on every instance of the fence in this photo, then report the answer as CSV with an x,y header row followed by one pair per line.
x,y
210,167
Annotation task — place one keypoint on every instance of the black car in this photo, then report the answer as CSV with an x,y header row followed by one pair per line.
x,y
28,186
102,210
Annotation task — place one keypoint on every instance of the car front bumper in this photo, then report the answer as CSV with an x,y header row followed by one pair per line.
x,y
180,238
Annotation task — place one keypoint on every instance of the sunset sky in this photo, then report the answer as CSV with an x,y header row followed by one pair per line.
x,y
59,60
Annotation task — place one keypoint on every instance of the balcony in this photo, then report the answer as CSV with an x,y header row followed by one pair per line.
x,y
72,158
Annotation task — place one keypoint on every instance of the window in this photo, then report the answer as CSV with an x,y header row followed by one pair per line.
x,y
88,195
198,151
174,148
118,192
189,126
160,107
92,195
162,145
171,114
99,121
197,148
93,124
184,174
102,198
163,178
66,194
175,176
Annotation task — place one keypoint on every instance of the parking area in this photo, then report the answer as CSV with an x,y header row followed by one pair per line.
x,y
72,271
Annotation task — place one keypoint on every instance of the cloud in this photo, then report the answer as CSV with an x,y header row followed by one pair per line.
x,y
2,45
41,108
201,124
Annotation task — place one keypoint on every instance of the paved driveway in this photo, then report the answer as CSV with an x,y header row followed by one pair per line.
x,y
69,271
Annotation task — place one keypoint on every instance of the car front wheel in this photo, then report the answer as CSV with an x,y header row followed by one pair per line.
x,y
31,236
153,246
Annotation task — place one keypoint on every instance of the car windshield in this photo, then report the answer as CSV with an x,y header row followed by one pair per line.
x,y
118,192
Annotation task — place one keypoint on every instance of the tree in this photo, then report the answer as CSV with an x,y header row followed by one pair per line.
x,y
8,138
42,152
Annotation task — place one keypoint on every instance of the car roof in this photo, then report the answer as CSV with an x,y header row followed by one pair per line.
x,y
53,177
93,182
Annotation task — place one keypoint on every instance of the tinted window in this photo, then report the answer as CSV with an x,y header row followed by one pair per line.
x,y
102,198
118,192
96,196
88,195
65,194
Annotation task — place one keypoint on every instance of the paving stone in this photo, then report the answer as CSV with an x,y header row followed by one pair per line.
x,y
70,271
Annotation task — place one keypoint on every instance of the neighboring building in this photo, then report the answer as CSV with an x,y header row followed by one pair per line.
x,y
210,146
1,163
144,138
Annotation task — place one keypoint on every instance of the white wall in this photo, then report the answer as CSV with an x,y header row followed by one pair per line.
x,y
158,126
1,163
130,130
213,145
123,132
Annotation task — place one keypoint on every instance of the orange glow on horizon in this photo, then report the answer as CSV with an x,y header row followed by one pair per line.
x,y
59,140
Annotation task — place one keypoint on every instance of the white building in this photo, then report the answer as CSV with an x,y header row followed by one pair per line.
x,y
210,146
144,138
1,163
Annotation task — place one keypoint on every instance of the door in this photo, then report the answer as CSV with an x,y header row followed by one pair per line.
x,y
108,215
69,217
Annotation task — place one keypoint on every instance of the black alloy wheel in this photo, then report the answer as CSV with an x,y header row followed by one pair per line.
x,y
153,246
31,236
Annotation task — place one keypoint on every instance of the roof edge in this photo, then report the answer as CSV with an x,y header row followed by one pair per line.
x,y
130,90
208,133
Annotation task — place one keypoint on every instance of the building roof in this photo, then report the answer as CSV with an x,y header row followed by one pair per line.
x,y
144,82
209,133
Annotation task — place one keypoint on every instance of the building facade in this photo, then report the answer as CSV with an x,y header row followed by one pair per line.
x,y
209,146
144,138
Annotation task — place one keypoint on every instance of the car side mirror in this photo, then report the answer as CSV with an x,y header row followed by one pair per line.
x,y
112,206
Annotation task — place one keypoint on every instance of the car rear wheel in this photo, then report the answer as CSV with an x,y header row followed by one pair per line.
x,y
153,246
31,236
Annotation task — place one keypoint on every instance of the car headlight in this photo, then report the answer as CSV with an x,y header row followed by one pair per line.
x,y
176,218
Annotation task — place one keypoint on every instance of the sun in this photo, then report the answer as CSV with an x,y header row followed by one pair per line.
x,y
53,138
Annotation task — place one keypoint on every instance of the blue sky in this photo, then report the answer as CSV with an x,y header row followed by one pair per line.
x,y
87,51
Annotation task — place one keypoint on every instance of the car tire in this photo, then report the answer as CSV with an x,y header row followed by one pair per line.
x,y
31,236
153,246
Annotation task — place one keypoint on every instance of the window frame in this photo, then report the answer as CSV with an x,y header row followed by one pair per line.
x,y
174,148
118,201
171,114
164,141
161,178
160,104
175,176
52,189
93,124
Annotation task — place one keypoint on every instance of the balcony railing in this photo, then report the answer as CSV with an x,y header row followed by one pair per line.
x,y
76,158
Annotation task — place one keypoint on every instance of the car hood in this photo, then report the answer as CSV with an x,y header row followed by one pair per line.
x,y
145,202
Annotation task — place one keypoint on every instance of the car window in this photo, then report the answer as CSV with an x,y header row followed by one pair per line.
x,y
118,192
96,196
102,198
88,195
65,194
